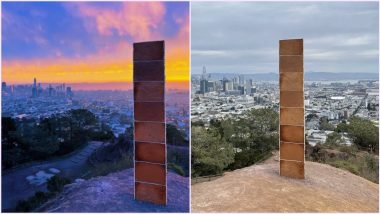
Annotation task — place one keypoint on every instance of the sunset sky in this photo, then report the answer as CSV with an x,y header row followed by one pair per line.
x,y
83,42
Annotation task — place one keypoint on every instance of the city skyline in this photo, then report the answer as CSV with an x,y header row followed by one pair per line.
x,y
83,42
338,36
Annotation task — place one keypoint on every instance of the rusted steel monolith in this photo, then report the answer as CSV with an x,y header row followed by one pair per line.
x,y
149,121
292,120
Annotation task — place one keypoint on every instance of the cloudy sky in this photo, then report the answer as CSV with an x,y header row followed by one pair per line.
x,y
77,42
243,37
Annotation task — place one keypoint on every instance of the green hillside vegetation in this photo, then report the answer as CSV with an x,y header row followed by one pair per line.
x,y
360,158
233,143
29,140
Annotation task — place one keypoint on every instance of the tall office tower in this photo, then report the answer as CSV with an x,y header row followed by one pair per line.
x,y
235,82
292,120
210,86
241,80
250,82
204,82
203,86
3,85
69,92
224,84
241,90
34,88
39,89
149,122
229,86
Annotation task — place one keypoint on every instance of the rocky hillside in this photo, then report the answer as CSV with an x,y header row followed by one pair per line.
x,y
259,188
114,193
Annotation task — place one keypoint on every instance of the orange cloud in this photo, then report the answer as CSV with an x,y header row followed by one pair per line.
x,y
112,62
178,52
140,20
66,70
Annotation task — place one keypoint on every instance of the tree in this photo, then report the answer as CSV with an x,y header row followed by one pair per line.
x,y
7,125
334,139
175,136
83,117
341,127
364,134
42,144
210,153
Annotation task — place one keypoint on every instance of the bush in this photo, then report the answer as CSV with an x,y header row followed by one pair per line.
x,y
177,169
56,183
348,157
104,168
33,202
210,153
179,157
175,136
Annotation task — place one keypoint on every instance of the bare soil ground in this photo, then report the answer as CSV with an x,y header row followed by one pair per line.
x,y
259,188
114,193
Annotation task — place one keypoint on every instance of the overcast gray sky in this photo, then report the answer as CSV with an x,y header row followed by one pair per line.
x,y
242,37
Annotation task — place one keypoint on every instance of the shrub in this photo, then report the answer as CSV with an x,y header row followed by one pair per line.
x,y
104,168
33,202
177,169
56,183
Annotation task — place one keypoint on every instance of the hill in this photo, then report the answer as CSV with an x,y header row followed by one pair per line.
x,y
114,193
259,188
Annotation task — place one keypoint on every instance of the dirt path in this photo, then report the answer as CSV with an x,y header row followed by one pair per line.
x,y
259,188
15,186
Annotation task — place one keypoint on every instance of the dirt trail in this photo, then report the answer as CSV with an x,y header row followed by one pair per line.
x,y
15,186
259,188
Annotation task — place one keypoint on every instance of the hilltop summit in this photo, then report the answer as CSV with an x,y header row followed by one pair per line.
x,y
114,193
259,188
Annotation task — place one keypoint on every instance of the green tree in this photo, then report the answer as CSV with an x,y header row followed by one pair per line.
x,y
342,127
175,136
254,135
41,143
364,134
82,117
210,153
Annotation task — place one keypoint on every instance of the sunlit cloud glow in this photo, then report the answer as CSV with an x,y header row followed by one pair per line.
x,y
93,42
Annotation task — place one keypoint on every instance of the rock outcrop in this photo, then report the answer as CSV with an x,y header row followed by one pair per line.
x,y
114,193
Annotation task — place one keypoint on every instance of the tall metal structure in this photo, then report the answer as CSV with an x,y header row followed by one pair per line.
x,y
292,119
149,122
204,81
